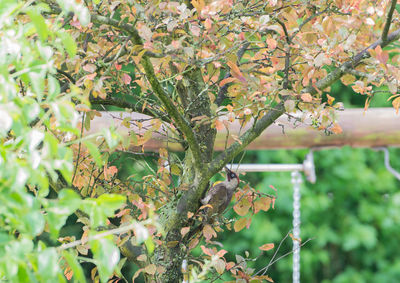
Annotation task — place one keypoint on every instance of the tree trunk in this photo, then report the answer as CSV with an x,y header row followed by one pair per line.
x,y
173,251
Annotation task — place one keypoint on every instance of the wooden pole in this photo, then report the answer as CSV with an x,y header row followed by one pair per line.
x,y
372,128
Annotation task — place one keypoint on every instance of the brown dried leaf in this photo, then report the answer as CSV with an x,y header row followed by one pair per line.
x,y
184,231
209,232
151,269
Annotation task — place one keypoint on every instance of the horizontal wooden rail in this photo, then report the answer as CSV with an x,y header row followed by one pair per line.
x,y
372,128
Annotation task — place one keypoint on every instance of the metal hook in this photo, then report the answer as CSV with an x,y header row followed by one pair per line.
x,y
387,162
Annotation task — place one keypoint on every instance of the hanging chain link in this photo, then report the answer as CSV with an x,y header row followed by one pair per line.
x,y
296,181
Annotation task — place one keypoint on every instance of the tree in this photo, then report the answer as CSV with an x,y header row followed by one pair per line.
x,y
183,64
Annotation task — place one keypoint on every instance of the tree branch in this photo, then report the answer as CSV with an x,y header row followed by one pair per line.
x,y
224,89
223,158
285,84
251,134
180,121
388,21
137,107
351,64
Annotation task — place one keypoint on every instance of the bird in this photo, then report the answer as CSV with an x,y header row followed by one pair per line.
x,y
220,194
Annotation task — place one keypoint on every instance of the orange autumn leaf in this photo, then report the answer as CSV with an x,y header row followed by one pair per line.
x,y
306,97
226,81
242,207
235,71
271,43
396,104
109,172
207,251
267,247
330,99
336,129
379,54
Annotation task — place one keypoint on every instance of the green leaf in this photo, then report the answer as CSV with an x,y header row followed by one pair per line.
x,y
110,203
102,207
53,87
37,81
69,43
75,266
59,210
48,264
106,255
83,16
111,137
39,23
149,245
94,152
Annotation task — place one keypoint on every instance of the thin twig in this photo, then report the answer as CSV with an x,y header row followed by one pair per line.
x,y
116,231
79,150
388,21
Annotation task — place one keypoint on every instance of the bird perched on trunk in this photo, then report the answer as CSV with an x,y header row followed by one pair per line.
x,y
217,199
219,195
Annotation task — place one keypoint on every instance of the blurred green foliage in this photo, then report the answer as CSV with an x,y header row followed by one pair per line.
x,y
352,212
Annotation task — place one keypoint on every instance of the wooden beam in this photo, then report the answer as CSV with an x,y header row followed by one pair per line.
x,y
375,127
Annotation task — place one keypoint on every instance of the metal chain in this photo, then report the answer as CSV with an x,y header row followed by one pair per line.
x,y
296,181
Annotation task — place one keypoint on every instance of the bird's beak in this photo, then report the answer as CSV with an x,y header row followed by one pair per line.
x,y
228,173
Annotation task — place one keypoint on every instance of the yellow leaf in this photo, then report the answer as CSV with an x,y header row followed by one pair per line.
x,y
172,244
267,247
242,207
396,104
294,238
330,99
126,122
240,224
263,203
219,265
198,5
348,79
175,169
